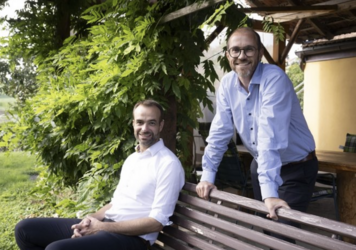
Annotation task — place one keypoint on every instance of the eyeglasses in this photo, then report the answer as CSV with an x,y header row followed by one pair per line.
x,y
235,52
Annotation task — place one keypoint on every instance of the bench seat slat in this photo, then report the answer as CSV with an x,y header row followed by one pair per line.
x,y
218,224
285,230
302,218
232,228
212,235
174,243
191,239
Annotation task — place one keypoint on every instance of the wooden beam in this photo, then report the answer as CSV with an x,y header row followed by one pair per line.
x,y
345,30
342,5
319,27
286,17
268,56
278,47
291,41
262,10
215,33
322,29
188,10
289,9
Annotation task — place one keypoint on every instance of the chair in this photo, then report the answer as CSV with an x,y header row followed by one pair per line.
x,y
350,143
231,172
326,188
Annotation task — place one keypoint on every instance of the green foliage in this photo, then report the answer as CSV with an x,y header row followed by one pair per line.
x,y
38,31
78,122
22,84
229,16
296,75
276,29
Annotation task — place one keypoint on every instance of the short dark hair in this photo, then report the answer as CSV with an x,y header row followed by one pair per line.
x,y
150,103
258,38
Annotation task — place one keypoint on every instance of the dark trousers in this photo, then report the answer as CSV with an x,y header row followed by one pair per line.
x,y
55,234
296,190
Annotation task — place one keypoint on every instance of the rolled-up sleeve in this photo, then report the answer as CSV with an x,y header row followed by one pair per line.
x,y
169,182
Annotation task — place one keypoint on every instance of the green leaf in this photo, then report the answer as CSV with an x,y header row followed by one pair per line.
x,y
176,90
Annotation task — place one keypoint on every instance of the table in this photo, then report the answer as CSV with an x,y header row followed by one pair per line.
x,y
341,163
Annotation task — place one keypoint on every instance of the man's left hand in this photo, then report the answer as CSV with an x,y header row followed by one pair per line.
x,y
272,205
82,229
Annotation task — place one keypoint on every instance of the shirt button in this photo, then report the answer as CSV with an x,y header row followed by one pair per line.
x,y
253,143
248,99
249,113
251,128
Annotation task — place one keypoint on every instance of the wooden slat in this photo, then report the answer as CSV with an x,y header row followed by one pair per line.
x,y
293,215
268,56
188,10
213,235
291,41
243,232
290,9
191,239
172,242
262,10
341,6
272,226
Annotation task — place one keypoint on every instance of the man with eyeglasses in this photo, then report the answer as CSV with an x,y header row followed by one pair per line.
x,y
260,102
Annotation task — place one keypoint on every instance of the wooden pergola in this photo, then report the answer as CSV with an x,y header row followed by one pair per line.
x,y
303,22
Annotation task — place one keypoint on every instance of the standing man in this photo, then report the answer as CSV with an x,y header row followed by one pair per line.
x,y
145,198
259,101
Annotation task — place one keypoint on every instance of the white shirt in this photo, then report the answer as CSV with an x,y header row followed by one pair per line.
x,y
149,186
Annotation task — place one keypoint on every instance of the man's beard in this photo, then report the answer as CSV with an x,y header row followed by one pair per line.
x,y
244,73
147,143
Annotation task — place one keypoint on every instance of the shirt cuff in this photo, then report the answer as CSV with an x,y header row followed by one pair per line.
x,y
269,190
208,176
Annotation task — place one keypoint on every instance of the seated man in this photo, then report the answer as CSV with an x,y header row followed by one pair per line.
x,y
145,198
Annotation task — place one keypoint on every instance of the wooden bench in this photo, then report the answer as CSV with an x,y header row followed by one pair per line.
x,y
228,221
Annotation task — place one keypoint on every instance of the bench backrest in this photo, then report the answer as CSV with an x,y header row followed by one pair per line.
x,y
218,224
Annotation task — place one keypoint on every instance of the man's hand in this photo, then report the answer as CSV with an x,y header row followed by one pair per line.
x,y
203,189
272,205
86,227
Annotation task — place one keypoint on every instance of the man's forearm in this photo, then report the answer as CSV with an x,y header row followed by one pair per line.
x,y
100,214
133,227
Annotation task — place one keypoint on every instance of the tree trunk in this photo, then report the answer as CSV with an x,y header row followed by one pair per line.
x,y
63,25
169,131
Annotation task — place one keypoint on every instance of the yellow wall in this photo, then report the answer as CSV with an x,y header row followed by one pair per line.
x,y
330,101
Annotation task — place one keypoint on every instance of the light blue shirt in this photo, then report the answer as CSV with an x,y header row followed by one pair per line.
x,y
269,121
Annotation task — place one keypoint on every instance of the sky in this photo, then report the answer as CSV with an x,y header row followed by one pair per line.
x,y
10,12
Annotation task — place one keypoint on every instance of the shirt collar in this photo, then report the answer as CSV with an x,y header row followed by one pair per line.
x,y
256,78
152,149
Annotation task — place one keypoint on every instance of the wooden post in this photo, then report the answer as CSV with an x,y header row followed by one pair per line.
x,y
278,47
346,185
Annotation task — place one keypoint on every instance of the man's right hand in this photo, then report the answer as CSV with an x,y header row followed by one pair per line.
x,y
203,189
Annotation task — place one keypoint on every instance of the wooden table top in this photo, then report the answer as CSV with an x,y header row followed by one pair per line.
x,y
331,161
